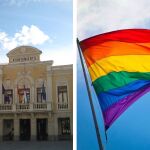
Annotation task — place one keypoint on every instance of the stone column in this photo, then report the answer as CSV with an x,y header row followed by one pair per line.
x,y
1,82
35,92
15,95
32,97
1,129
51,129
33,128
16,129
56,126
49,85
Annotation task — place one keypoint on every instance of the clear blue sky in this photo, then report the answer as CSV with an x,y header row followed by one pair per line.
x,y
131,131
51,21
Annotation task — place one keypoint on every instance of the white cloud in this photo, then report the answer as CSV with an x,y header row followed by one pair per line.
x,y
96,16
61,56
26,36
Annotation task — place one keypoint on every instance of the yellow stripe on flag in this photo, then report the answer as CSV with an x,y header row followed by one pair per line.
x,y
129,63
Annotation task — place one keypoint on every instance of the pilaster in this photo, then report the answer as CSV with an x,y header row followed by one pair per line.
x,y
32,97
33,128
51,129
15,101
49,84
16,129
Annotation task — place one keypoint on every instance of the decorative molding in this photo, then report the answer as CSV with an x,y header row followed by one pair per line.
x,y
26,77
17,50
63,67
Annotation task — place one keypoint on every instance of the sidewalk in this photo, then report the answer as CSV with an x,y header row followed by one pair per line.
x,y
36,145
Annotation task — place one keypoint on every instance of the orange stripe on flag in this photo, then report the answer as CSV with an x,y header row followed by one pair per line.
x,y
114,48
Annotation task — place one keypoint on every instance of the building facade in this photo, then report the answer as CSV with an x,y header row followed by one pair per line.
x,y
36,98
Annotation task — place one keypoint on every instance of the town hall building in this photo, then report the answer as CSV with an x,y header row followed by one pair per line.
x,y
36,98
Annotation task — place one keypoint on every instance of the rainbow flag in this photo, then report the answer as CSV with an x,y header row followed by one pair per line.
x,y
119,66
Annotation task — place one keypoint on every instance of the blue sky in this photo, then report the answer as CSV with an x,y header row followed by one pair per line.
x,y
131,131
45,24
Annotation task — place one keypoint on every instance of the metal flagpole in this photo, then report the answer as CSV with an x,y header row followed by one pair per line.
x,y
90,100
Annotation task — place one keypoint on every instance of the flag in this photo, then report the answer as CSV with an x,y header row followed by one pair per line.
x,y
3,89
43,93
17,89
6,96
119,65
20,96
20,99
25,97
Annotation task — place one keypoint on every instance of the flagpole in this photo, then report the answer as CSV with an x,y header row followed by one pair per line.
x,y
90,100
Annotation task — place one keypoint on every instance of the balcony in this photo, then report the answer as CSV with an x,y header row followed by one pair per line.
x,y
22,107
6,107
62,106
25,107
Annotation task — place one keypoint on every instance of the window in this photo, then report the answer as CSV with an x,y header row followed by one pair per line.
x,y
8,96
64,126
41,95
62,94
24,95
62,97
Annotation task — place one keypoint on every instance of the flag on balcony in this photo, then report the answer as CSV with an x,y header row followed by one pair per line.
x,y
43,93
21,99
119,66
25,97
19,95
6,96
17,89
3,89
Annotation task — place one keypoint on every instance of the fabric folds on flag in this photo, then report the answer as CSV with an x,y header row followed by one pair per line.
x,y
43,93
119,66
25,97
3,89
6,96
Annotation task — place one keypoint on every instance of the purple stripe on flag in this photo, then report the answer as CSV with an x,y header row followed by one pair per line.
x,y
113,112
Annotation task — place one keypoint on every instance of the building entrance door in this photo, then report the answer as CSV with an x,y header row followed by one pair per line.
x,y
64,128
8,129
25,129
42,129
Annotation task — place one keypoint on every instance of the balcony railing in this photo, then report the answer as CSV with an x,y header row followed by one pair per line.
x,y
22,107
25,107
40,106
6,107
62,106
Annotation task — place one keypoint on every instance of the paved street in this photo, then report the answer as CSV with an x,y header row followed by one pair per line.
x,y
55,145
